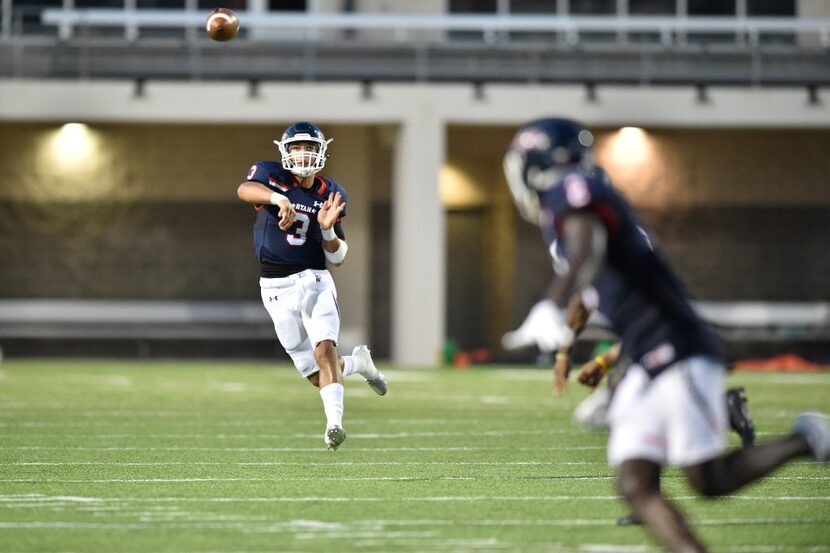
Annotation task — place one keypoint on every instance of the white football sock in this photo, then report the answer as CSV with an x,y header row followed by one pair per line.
x,y
332,396
349,365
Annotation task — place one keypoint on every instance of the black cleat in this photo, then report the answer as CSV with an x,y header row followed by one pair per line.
x,y
629,520
739,419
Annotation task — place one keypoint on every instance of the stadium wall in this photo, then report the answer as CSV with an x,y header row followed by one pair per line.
x,y
156,215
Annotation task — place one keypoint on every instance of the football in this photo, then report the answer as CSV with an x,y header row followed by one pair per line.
x,y
222,24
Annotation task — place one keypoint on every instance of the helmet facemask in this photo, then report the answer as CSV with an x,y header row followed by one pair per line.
x,y
526,199
303,162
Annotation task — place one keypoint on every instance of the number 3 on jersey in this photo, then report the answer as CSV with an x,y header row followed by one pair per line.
x,y
298,238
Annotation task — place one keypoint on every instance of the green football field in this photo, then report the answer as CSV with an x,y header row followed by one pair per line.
x,y
228,457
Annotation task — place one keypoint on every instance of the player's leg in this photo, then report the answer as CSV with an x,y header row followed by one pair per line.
x,y
698,436
741,422
281,298
639,446
321,318
592,414
723,475
732,471
638,482
284,299
331,392
360,362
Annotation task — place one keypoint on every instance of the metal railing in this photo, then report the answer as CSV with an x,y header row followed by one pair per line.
x,y
171,44
493,28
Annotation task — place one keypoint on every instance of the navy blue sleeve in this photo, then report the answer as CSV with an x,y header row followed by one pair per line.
x,y
335,187
579,193
259,172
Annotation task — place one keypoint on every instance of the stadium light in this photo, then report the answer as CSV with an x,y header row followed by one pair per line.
x,y
630,145
626,154
459,189
73,146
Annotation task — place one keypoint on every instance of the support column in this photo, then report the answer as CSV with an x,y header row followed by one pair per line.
x,y
418,242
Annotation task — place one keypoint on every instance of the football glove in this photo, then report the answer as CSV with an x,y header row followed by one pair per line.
x,y
544,327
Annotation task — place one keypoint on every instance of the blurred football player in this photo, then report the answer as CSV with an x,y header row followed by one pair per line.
x,y
668,408
298,230
592,412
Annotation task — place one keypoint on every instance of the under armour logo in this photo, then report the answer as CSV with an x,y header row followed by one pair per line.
x,y
272,298
318,204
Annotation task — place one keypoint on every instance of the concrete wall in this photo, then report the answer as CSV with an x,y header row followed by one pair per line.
x,y
150,211
392,141
744,214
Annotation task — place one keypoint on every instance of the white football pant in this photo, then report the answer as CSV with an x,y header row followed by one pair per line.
x,y
678,418
304,309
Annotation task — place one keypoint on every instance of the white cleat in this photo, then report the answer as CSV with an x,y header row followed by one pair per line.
x,y
374,378
815,428
592,412
334,436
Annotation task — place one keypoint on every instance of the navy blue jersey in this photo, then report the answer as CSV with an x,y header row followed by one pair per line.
x,y
638,292
301,246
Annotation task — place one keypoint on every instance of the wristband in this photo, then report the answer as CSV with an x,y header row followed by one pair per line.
x,y
337,256
602,362
328,234
561,356
276,197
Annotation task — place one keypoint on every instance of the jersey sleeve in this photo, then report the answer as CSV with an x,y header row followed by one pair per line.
x,y
582,194
336,187
259,172
265,173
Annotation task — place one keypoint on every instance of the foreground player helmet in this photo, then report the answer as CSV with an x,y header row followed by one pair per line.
x,y
539,156
304,163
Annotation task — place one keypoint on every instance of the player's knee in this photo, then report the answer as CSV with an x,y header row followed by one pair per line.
x,y
635,485
629,486
704,487
324,351
314,379
304,361
704,479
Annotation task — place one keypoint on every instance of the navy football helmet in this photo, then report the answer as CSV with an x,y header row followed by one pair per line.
x,y
541,154
306,162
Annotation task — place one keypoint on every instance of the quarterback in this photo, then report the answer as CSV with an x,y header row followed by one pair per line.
x,y
298,230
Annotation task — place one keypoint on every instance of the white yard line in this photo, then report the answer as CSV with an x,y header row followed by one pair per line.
x,y
391,435
334,462
12,500
335,528
300,449
39,480
243,423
